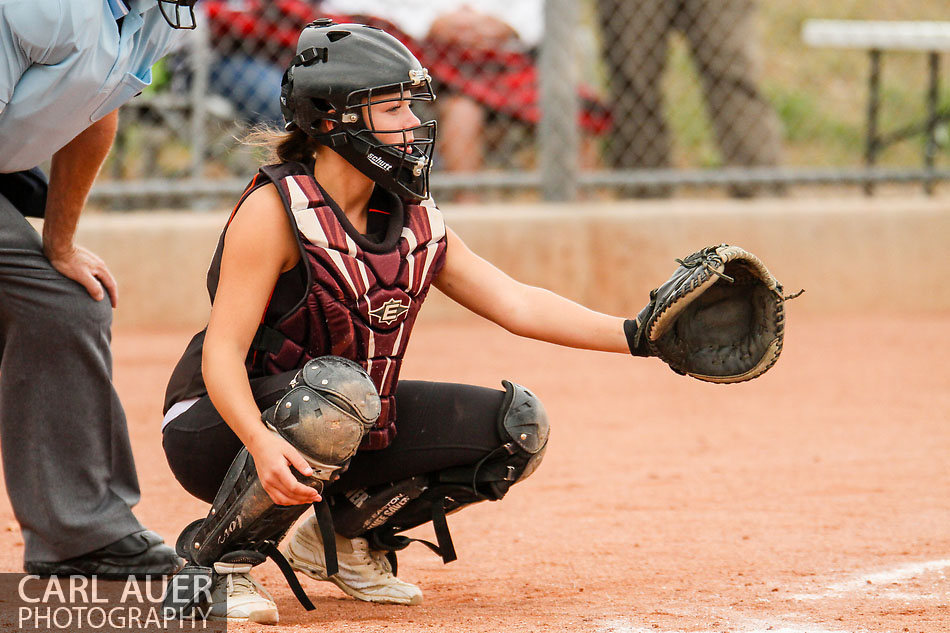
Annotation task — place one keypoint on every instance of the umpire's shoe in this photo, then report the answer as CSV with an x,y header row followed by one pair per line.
x,y
364,574
141,554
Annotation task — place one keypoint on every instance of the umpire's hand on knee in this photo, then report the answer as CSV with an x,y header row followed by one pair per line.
x,y
87,268
274,458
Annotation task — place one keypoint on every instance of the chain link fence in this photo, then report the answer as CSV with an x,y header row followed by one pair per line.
x,y
560,99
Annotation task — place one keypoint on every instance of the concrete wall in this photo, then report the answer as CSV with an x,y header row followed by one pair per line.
x,y
880,254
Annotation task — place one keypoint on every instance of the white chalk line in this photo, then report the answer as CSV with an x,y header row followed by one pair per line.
x,y
875,579
614,626
863,583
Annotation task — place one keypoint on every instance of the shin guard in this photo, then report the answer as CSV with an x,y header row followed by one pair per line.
x,y
328,408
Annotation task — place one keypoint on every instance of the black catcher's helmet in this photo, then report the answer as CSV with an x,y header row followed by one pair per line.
x,y
172,12
338,71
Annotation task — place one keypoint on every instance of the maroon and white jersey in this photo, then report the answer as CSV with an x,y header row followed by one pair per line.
x,y
363,297
349,296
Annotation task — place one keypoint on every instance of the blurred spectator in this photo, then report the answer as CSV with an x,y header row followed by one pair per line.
x,y
246,65
480,54
251,83
721,39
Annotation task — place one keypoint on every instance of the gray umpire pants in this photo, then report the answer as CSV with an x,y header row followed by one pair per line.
x,y
67,459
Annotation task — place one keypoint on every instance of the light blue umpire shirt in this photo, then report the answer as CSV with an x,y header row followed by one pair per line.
x,y
64,65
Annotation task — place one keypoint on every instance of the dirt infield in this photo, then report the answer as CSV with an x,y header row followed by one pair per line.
x,y
813,500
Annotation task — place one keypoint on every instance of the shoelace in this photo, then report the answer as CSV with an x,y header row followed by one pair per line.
x,y
371,560
382,561
240,585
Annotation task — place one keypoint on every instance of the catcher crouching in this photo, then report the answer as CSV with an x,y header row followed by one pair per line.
x,y
291,398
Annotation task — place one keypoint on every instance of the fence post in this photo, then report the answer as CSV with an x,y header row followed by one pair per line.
x,y
558,137
200,53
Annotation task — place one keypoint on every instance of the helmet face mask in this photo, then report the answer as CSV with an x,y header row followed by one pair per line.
x,y
342,73
173,13
404,152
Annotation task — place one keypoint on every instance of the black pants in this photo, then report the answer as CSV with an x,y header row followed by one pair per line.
x,y
26,190
439,425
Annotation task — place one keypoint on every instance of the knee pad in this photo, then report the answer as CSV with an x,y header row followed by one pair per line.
x,y
522,421
379,513
329,406
523,427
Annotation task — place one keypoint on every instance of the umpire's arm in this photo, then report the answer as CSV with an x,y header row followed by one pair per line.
x,y
72,172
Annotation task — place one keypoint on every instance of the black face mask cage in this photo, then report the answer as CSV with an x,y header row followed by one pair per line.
x,y
415,156
173,14
358,100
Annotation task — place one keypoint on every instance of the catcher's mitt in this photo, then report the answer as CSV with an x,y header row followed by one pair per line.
x,y
719,318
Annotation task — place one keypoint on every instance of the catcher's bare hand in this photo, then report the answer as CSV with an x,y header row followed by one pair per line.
x,y
87,268
274,457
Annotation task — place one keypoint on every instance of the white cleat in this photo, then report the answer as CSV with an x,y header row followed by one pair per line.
x,y
364,574
237,597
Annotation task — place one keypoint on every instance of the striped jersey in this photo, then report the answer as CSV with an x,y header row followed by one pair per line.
x,y
351,295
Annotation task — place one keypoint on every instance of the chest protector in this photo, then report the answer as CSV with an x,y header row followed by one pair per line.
x,y
361,299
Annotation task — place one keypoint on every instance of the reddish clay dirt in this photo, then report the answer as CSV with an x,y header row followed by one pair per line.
x,y
815,499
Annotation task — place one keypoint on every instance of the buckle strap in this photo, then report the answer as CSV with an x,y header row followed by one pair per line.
x,y
321,510
389,540
442,535
310,56
267,339
271,550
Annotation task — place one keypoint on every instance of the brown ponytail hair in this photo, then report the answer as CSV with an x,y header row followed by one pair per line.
x,y
280,146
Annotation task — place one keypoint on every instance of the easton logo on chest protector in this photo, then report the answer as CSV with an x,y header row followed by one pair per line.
x,y
390,312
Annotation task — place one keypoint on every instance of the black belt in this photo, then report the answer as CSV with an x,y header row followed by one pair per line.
x,y
26,190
